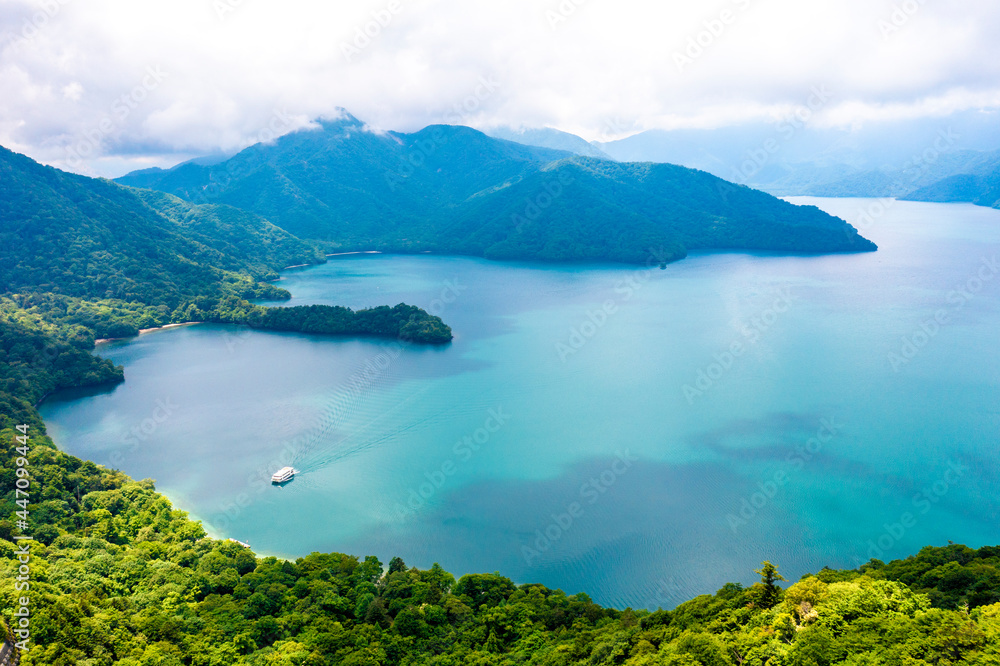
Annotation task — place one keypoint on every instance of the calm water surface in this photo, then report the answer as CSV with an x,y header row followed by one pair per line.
x,y
591,428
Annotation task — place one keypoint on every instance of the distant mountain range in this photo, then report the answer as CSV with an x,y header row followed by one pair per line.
x,y
549,138
449,189
977,181
956,159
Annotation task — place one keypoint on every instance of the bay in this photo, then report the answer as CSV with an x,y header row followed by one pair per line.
x,y
642,435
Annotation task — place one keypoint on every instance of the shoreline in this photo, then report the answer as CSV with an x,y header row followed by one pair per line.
x,y
336,254
346,254
143,331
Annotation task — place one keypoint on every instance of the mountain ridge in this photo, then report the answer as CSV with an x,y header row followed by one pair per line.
x,y
455,190
790,158
94,259
548,137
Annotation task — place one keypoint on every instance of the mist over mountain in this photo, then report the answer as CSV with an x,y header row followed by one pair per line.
x,y
791,157
452,189
977,181
548,137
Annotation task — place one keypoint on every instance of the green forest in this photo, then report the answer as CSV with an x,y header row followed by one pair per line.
x,y
454,190
86,259
120,577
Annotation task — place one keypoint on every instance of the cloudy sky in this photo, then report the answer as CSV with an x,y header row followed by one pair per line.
x,y
106,86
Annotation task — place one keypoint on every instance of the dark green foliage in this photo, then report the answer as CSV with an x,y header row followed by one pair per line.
x,y
120,577
76,236
84,259
488,589
769,577
953,576
33,364
455,190
404,322
88,254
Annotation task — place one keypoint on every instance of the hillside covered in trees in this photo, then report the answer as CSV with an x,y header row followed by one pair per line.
x,y
977,181
83,237
91,258
120,577
454,190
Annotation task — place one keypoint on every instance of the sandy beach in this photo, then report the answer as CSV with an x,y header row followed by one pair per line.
x,y
344,254
148,330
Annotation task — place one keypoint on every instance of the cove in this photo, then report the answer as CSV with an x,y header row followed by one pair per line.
x,y
640,435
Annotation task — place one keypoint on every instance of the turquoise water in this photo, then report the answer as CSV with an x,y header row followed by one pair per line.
x,y
641,435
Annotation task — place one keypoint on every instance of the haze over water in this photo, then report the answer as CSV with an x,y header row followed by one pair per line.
x,y
561,408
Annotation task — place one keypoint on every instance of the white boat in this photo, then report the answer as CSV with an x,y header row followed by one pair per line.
x,y
283,475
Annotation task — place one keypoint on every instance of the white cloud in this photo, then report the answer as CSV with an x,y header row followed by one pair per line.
x,y
73,91
599,68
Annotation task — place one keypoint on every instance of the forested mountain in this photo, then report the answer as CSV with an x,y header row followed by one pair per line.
x,y
960,176
118,576
343,181
547,137
86,254
82,259
455,190
77,236
976,182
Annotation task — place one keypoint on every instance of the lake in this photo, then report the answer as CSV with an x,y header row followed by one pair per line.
x,y
642,435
